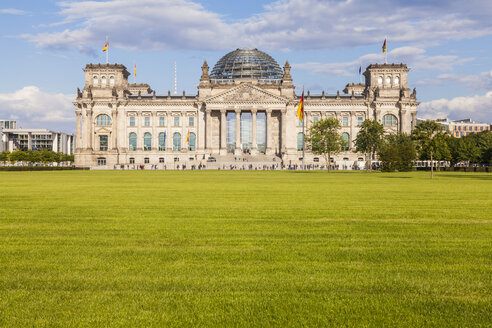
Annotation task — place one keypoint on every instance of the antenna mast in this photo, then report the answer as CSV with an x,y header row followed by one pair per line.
x,y
175,79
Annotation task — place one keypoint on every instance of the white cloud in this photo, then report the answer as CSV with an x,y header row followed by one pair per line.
x,y
284,24
478,107
482,81
30,105
414,56
13,11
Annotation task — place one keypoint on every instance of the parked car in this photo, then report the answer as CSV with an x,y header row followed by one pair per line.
x,y
211,159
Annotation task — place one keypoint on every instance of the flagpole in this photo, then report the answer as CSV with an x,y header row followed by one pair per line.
x,y
303,136
360,72
386,50
107,51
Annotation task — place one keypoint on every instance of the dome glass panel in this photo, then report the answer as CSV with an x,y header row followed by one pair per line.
x,y
247,64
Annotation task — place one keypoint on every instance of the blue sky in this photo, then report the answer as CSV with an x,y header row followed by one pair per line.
x,y
448,45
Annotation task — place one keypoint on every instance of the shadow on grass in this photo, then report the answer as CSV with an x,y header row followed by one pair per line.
x,y
467,175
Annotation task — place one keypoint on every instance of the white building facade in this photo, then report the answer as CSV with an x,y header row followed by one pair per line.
x,y
246,108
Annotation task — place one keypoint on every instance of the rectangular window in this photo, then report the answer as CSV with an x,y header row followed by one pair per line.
x,y
315,119
132,160
360,120
147,121
344,121
146,160
176,121
132,121
191,121
161,159
103,143
101,161
162,122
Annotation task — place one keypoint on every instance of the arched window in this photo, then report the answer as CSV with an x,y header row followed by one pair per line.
x,y
177,141
132,141
389,120
103,81
300,141
103,120
192,142
388,80
162,141
147,141
345,139
111,80
380,80
397,80
95,80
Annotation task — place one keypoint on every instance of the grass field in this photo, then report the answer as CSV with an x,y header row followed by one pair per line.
x,y
256,249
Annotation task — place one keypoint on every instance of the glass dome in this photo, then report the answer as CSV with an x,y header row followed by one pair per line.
x,y
246,64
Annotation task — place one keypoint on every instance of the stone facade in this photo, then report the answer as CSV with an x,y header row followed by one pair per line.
x,y
120,123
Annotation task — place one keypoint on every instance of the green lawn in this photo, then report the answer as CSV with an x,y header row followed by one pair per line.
x,y
255,249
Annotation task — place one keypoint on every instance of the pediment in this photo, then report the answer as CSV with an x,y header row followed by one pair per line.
x,y
246,93
103,130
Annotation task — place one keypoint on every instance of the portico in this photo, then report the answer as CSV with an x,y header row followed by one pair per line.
x,y
245,131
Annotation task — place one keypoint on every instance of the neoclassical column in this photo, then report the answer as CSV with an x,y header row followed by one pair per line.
x,y
269,131
284,130
155,138
138,122
351,122
78,142
184,132
403,121
169,134
254,147
89,134
223,132
114,130
378,113
208,129
238,130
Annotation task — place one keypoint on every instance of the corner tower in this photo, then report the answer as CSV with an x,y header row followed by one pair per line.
x,y
102,80
387,80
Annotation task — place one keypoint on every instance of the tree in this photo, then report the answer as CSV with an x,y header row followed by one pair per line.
x,y
18,156
483,140
324,139
34,157
468,150
369,139
57,157
397,152
425,134
4,157
47,156
443,151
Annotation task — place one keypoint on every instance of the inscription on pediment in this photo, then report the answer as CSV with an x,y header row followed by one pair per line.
x,y
246,94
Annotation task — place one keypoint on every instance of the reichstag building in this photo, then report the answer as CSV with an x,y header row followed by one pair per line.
x,y
244,110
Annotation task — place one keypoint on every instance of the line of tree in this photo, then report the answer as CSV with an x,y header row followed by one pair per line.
x,y
34,157
397,152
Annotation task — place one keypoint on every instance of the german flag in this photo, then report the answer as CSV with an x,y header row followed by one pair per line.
x,y
300,108
188,136
384,46
106,46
